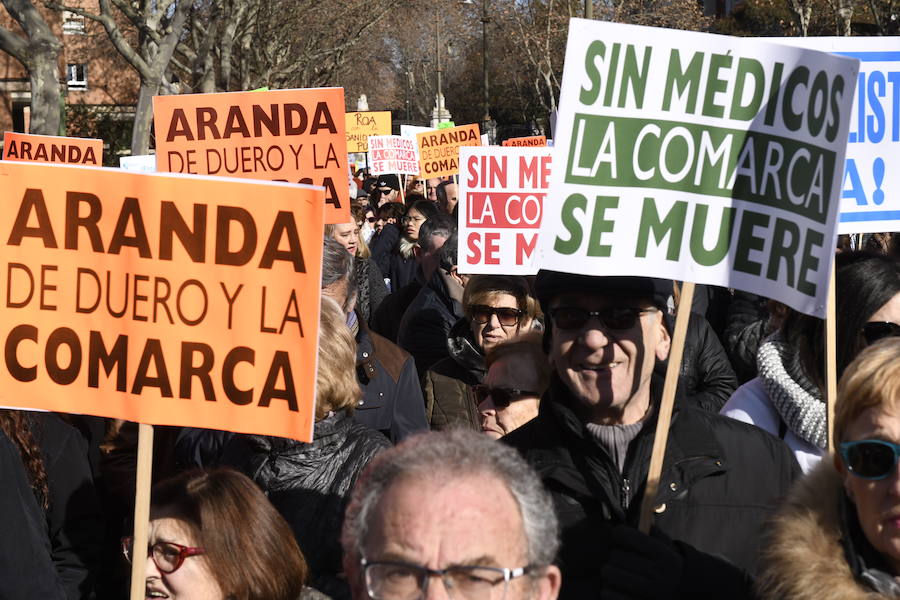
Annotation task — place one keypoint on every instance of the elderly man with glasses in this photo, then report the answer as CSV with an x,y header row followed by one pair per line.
x,y
450,514
592,440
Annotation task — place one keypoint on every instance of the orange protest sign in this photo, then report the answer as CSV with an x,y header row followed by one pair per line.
x,y
162,299
532,140
439,149
360,125
52,149
280,135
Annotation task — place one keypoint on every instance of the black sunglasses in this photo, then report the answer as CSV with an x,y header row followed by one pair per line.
x,y
508,317
870,459
501,397
613,317
877,330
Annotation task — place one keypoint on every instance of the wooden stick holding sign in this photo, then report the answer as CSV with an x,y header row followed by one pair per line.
x,y
665,407
831,356
141,511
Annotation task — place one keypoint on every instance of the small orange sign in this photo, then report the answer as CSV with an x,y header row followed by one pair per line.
x,y
28,147
439,149
280,135
162,299
533,141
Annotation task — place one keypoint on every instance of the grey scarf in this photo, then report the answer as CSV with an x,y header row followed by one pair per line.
x,y
793,395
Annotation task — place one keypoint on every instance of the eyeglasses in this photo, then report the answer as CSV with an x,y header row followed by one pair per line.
x,y
371,219
388,580
877,330
167,556
507,316
385,190
613,317
870,459
407,219
501,397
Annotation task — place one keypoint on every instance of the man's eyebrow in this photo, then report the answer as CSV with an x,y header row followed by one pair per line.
x,y
484,560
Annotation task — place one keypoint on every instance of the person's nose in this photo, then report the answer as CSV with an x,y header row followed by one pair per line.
x,y
150,569
486,407
437,589
594,335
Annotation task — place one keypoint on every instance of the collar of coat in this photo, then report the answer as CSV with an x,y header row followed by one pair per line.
x,y
564,452
809,554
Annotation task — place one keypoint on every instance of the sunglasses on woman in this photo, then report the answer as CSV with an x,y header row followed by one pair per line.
x,y
507,316
501,397
877,330
612,317
167,556
870,459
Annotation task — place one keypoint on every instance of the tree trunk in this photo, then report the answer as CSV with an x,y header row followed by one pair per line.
x,y
45,100
143,117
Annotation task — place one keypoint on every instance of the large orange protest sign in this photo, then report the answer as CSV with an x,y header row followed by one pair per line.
x,y
52,149
281,135
361,125
163,299
530,141
439,149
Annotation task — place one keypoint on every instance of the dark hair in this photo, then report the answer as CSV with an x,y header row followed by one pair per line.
x,y
414,197
426,208
251,549
439,225
369,184
866,281
441,190
391,210
448,253
19,427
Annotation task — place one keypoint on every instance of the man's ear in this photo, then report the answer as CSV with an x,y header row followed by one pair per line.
x,y
549,583
665,340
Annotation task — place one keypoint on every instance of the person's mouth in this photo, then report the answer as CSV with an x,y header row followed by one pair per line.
x,y
152,592
606,366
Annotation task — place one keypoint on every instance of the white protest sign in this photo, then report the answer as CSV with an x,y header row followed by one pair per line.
x,y
870,189
142,163
502,191
700,158
411,131
393,154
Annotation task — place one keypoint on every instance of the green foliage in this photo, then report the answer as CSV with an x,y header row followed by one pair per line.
x,y
109,123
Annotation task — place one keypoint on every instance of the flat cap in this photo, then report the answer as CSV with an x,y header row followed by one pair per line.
x,y
553,283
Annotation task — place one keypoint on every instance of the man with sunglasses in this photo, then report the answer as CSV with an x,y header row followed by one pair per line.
x,y
592,440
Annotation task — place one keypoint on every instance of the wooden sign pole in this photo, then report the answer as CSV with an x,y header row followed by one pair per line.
x,y
665,407
831,356
141,511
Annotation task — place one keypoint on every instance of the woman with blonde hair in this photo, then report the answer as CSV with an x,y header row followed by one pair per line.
x,y
309,483
838,535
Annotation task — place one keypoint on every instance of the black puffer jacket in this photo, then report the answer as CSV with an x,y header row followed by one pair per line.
x,y
748,325
449,400
707,379
309,484
721,479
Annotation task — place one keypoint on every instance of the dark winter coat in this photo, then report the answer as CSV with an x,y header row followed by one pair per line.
x,y
310,484
386,320
706,375
392,397
74,518
26,563
747,327
427,322
449,399
721,479
385,249
370,287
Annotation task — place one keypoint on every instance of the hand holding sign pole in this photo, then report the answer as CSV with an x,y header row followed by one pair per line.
x,y
700,158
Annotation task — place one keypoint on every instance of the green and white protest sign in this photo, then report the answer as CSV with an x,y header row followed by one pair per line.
x,y
699,158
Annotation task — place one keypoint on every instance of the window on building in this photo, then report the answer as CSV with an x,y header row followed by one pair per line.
x,y
72,23
76,76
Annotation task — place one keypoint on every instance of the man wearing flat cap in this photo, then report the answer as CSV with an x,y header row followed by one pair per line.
x,y
607,339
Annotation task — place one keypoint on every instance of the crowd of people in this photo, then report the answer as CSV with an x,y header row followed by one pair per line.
x,y
484,437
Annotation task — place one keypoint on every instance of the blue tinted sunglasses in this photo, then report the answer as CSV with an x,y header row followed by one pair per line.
x,y
870,459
